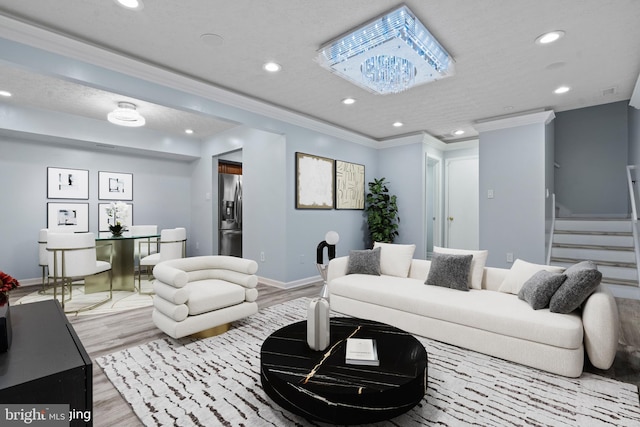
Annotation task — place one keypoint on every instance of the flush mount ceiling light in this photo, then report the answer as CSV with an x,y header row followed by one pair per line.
x,y
562,89
5,93
126,115
349,101
388,55
398,124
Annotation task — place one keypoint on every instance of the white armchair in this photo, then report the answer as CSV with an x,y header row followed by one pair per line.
x,y
73,257
196,294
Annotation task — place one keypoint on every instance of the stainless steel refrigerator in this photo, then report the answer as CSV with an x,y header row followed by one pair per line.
x,y
230,205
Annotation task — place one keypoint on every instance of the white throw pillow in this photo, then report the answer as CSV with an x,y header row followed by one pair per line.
x,y
520,272
477,264
395,260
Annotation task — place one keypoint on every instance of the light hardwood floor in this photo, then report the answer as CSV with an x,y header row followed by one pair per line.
x,y
105,334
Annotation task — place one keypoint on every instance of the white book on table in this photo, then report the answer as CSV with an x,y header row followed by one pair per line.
x,y
361,351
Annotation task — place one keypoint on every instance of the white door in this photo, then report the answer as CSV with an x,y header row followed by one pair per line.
x,y
462,210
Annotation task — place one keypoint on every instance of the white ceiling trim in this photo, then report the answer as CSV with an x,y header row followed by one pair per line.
x,y
515,121
45,39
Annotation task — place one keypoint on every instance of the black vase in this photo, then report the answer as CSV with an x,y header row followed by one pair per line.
x,y
5,327
116,230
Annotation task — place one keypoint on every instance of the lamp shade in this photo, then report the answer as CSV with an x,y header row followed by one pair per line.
x,y
332,237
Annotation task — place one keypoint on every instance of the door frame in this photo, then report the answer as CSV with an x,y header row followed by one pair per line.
x,y
436,219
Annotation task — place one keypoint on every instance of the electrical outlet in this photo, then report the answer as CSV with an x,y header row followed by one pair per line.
x,y
262,256
509,256
302,259
489,194
197,245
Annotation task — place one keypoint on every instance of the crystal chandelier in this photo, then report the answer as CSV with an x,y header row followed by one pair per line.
x,y
388,55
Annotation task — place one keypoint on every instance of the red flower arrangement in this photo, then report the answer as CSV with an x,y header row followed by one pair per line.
x,y
7,283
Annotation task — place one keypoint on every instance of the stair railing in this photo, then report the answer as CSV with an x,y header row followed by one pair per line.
x,y
634,216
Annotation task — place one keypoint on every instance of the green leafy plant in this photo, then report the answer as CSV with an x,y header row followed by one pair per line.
x,y
382,212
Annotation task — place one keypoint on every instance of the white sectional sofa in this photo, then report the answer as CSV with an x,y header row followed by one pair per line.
x,y
482,319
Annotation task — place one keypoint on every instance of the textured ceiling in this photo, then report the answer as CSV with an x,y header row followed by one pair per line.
x,y
499,68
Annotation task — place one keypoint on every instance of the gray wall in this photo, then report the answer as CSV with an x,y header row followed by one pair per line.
x,y
591,149
512,164
404,168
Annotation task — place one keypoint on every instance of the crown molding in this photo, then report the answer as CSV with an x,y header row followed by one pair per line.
x,y
54,42
542,117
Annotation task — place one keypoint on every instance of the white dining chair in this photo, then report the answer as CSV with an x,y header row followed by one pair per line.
x,y
145,246
72,257
173,245
43,255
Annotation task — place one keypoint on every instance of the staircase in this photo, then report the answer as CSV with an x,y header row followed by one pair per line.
x,y
607,242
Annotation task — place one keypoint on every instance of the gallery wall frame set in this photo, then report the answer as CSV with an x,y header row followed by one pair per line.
x,y
323,183
73,184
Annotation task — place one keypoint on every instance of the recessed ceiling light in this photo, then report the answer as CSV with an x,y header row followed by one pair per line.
x,y
5,93
348,101
272,67
130,4
550,37
398,124
188,131
561,90
211,39
458,132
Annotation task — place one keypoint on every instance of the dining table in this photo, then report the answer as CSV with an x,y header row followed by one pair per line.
x,y
121,252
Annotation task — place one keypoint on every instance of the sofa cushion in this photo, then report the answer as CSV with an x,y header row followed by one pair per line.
x,y
364,262
520,272
477,264
539,289
497,312
395,259
582,279
450,271
212,294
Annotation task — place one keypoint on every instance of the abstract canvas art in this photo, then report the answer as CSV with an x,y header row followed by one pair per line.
x,y
314,182
349,185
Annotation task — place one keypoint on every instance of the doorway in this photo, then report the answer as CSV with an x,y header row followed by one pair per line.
x,y
432,208
230,204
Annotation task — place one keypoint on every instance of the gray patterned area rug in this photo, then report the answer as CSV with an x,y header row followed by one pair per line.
x,y
216,381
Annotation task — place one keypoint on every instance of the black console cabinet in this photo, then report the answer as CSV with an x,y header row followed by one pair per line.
x,y
46,363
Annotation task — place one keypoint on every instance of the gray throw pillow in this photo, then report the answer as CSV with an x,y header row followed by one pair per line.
x,y
582,279
364,262
539,289
450,271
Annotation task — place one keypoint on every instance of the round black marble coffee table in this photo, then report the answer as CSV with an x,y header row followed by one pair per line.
x,y
319,385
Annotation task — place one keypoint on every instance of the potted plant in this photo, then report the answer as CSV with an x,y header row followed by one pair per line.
x,y
382,212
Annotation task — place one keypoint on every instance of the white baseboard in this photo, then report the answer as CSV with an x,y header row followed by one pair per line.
x,y
291,285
